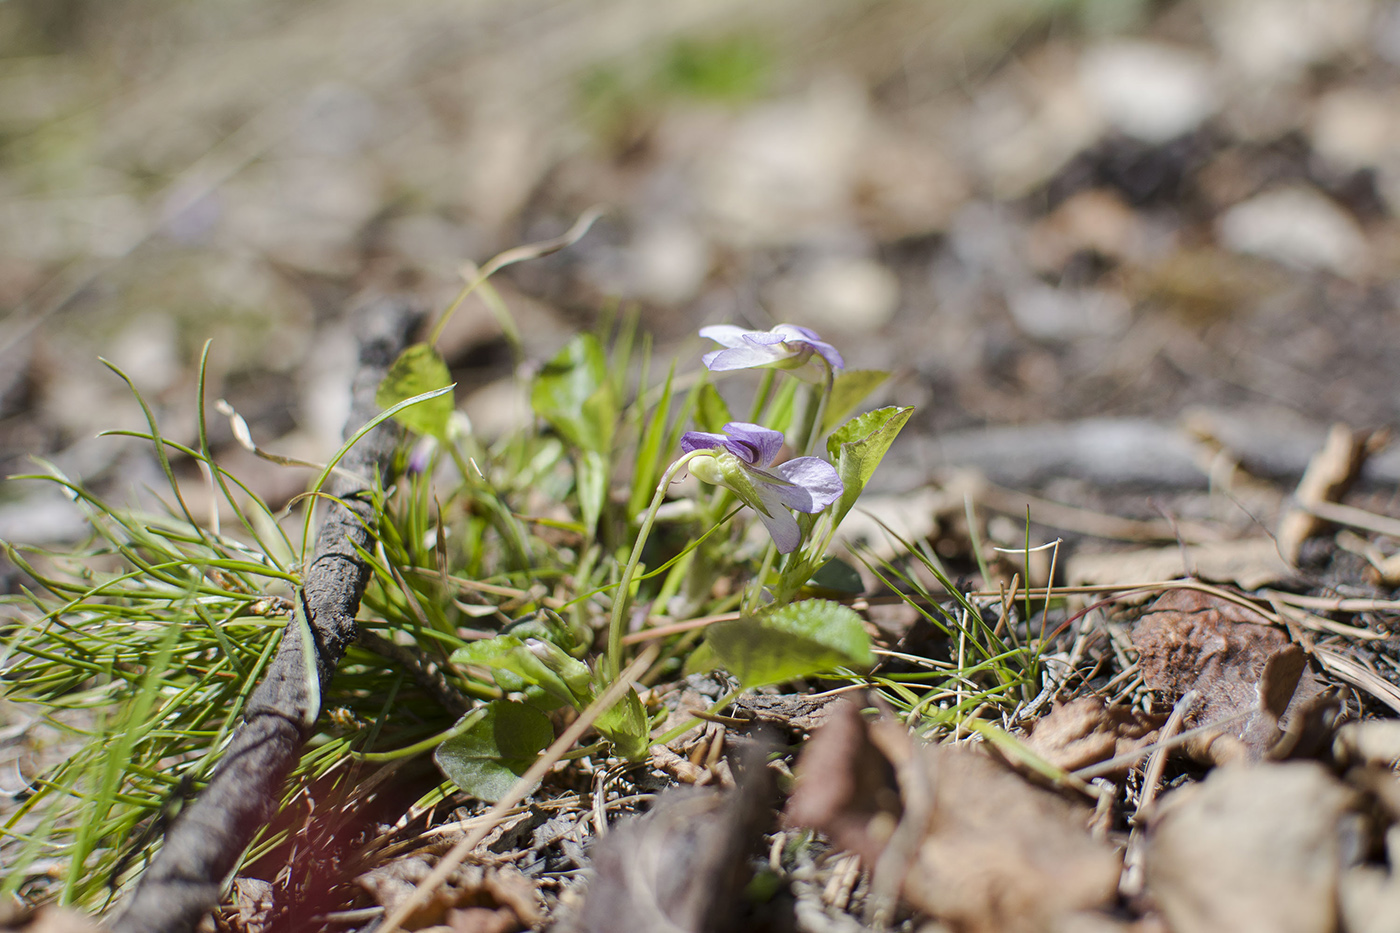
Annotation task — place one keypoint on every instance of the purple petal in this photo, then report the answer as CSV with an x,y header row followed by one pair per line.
x,y
829,353
762,443
726,335
701,440
815,484
793,334
781,525
797,332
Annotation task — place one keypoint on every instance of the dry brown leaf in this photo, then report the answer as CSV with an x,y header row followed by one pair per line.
x,y
48,919
791,712
491,887
1370,900
1254,848
1084,732
482,920
856,783
682,867
253,898
1243,671
976,845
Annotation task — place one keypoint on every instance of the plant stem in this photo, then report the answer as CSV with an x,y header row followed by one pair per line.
x,y
816,407
624,583
765,391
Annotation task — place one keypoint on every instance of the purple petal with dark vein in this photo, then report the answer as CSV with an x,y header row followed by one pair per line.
x,y
765,442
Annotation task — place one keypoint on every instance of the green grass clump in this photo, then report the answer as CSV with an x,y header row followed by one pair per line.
x,y
510,579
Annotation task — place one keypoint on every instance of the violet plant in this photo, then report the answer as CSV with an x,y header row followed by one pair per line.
x,y
782,634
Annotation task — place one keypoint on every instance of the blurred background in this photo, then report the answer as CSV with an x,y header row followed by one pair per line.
x,y
1162,229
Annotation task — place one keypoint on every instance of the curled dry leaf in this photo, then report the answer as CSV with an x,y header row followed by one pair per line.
x,y
1247,674
1084,732
1253,848
982,849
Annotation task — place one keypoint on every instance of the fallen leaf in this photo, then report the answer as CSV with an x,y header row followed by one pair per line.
x,y
254,899
1248,676
973,843
48,919
1084,732
469,886
792,712
1252,848
1369,900
683,866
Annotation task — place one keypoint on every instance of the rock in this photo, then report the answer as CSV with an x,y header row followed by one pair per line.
x,y
1047,313
1024,130
1355,128
1149,90
1296,226
784,173
1274,41
667,263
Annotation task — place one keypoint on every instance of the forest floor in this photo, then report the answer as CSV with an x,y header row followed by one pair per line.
x,y
1135,265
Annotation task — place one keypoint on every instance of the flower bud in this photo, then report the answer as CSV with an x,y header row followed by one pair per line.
x,y
707,470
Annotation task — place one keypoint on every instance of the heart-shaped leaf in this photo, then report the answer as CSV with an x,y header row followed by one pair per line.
x,y
487,759
794,641
418,369
858,446
848,390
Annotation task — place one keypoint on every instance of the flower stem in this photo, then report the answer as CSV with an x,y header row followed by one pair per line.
x,y
624,584
765,391
756,588
816,407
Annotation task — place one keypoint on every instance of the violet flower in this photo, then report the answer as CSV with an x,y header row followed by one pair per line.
x,y
742,463
786,346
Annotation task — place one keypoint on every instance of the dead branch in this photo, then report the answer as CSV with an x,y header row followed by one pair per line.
x,y
184,880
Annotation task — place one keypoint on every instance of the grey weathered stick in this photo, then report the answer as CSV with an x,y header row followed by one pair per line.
x,y
183,882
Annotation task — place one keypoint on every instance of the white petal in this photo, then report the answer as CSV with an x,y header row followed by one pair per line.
x,y
726,335
741,358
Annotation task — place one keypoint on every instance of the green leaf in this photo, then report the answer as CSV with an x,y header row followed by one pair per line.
x,y
782,409
795,641
649,451
849,390
546,625
574,394
836,579
701,660
591,479
626,726
563,678
711,412
858,446
418,369
486,760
